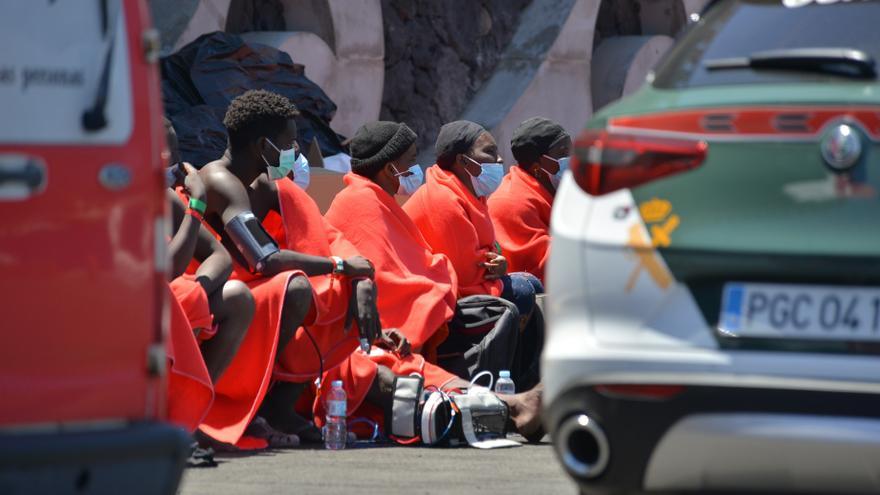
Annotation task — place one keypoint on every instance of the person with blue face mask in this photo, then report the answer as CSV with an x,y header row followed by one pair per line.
x,y
452,214
367,212
416,289
520,208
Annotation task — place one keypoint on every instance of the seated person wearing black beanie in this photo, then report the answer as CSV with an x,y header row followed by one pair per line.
x,y
408,273
416,288
520,208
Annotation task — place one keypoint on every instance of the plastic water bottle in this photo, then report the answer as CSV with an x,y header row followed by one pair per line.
x,y
504,385
335,435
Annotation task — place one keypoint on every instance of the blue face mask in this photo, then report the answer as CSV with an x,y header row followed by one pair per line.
x,y
556,178
409,183
489,179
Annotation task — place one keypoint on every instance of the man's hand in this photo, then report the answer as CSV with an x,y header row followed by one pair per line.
x,y
495,265
395,341
358,266
362,307
193,184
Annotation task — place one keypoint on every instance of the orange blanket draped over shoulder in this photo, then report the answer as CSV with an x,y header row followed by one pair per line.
x,y
416,288
520,211
300,227
457,224
189,386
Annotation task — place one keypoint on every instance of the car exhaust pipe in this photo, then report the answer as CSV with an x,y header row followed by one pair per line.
x,y
582,446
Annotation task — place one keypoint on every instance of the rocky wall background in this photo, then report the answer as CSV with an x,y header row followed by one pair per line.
x,y
438,54
426,62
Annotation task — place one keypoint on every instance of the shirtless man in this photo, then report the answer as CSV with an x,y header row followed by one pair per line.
x,y
262,141
230,302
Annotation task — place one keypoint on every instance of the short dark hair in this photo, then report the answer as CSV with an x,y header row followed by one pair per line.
x,y
257,113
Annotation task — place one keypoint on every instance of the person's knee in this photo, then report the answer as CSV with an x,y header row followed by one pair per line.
x,y
381,393
238,299
536,283
299,293
523,292
297,302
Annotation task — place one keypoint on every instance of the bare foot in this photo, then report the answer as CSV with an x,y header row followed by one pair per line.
x,y
525,412
292,423
278,410
260,428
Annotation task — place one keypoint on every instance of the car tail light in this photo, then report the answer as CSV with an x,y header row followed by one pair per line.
x,y
605,162
640,392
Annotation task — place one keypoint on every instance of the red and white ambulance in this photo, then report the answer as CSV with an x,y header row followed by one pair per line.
x,y
82,252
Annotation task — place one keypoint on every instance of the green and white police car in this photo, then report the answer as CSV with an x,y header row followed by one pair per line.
x,y
714,280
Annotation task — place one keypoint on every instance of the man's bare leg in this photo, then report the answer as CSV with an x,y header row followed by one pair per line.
x,y
233,309
278,406
381,392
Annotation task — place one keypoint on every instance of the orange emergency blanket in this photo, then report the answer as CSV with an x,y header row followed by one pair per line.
x,y
189,386
300,227
520,210
240,391
194,301
457,224
416,287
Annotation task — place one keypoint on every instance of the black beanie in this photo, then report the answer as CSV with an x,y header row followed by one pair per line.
x,y
377,143
456,137
534,138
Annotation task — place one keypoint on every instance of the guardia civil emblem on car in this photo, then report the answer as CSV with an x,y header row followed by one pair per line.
x,y
841,147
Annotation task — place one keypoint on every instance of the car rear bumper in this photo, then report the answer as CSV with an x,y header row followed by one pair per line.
x,y
724,440
144,458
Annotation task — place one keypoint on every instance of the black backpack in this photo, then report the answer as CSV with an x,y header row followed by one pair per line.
x,y
483,336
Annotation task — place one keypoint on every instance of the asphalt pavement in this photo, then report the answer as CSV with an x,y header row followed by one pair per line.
x,y
530,469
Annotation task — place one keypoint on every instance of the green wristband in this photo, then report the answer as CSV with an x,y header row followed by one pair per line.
x,y
198,205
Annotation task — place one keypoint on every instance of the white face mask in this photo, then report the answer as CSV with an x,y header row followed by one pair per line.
x,y
301,172
489,179
409,183
289,160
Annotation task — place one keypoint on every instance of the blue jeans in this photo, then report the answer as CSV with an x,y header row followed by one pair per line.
x,y
520,288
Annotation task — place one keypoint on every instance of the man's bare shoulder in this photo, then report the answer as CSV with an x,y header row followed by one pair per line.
x,y
218,178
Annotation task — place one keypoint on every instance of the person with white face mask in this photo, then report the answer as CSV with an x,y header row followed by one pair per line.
x,y
520,208
451,212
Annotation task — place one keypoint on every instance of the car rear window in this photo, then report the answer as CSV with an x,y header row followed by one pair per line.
x,y
739,28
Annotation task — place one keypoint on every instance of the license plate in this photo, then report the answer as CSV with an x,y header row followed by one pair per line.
x,y
800,312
